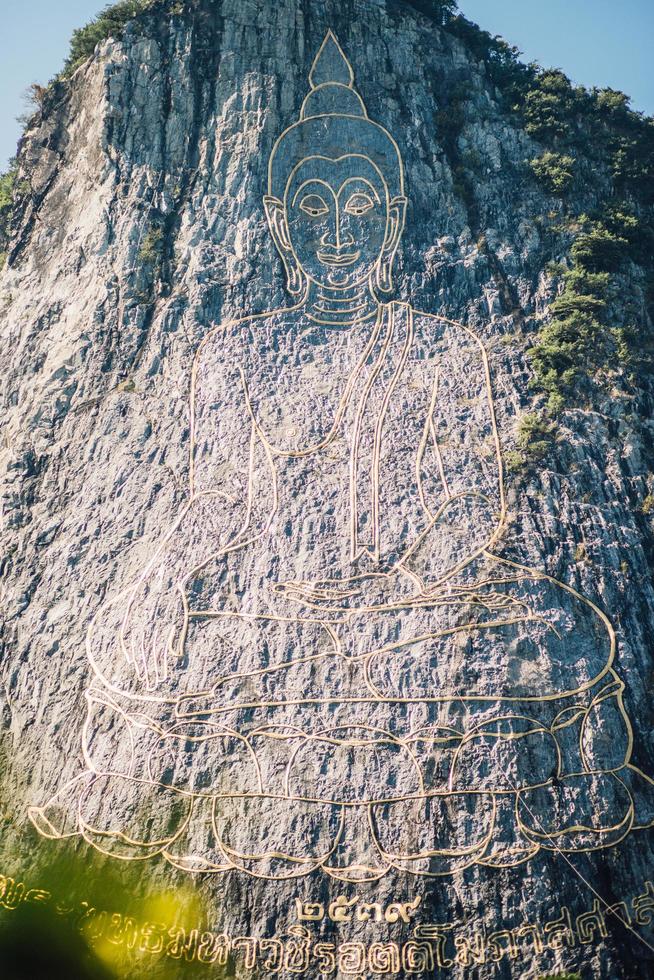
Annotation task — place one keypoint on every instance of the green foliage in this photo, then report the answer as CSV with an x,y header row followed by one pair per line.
x,y
439,10
109,23
563,348
7,183
502,60
630,139
561,976
535,435
579,339
534,439
544,120
599,249
570,302
556,269
152,246
554,171
580,280
611,102
549,105
8,187
599,129
647,506
555,111
514,461
633,162
639,235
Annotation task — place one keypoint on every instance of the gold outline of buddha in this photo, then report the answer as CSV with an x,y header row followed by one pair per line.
x,y
336,216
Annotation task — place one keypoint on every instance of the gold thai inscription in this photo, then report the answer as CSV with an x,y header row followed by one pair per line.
x,y
344,909
429,947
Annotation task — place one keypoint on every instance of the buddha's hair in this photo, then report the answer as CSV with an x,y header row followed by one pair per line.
x,y
334,122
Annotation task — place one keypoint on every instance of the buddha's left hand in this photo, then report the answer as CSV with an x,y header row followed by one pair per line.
x,y
375,591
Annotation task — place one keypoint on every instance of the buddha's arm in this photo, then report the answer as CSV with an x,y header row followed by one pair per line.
x,y
156,609
460,531
462,466
219,510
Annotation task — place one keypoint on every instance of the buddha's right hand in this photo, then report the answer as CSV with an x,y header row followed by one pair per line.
x,y
154,627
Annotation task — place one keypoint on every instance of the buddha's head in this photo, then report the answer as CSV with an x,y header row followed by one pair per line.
x,y
335,202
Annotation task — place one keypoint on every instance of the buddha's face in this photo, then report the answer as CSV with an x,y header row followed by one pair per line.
x,y
336,226
337,216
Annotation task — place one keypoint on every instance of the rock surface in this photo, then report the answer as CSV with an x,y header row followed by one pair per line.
x,y
145,229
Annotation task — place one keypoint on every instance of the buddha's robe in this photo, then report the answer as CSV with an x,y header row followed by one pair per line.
x,y
353,558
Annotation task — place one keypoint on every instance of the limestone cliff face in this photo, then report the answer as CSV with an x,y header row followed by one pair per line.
x,y
143,229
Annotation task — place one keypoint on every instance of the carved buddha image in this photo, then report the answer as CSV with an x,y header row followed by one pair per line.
x,y
325,664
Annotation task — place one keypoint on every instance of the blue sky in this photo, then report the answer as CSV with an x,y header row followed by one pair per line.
x,y
596,42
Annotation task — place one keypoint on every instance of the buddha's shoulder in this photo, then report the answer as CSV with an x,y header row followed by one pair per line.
x,y
437,335
233,341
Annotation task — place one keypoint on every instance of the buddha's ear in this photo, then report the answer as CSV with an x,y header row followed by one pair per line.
x,y
396,219
394,229
276,215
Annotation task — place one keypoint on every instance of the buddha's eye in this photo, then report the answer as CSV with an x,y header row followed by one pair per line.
x,y
359,204
313,205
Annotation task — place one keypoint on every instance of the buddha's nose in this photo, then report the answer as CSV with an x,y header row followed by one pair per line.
x,y
337,236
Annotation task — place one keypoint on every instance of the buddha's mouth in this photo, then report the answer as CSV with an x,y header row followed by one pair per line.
x,y
339,259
